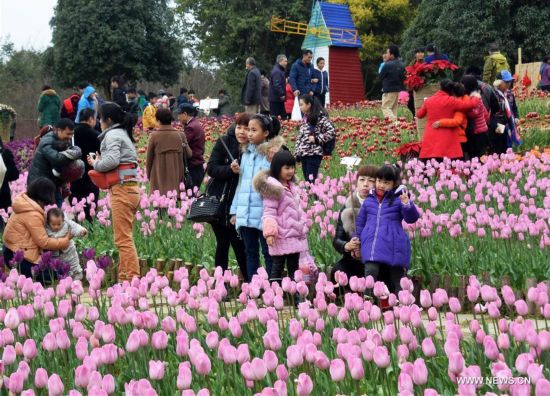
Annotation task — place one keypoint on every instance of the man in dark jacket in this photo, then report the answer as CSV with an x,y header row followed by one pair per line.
x,y
320,79
119,93
86,137
252,88
46,157
301,75
277,88
393,78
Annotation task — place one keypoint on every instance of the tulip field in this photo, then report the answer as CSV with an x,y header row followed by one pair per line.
x,y
188,328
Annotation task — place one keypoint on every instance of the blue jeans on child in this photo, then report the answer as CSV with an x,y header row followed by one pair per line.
x,y
252,239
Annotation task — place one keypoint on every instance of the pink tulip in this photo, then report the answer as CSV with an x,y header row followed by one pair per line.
x,y
542,388
456,363
29,349
108,384
15,383
294,356
159,340
381,357
535,372
356,368
420,372
156,369
337,370
305,385
454,305
405,383
259,369
282,372
521,307
184,378
270,359
523,361
428,347
544,340
490,348
425,299
11,320
508,295
82,376
55,386
430,392
40,378
402,352
9,355
503,341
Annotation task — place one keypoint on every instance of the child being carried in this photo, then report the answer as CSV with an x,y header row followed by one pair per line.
x,y
58,226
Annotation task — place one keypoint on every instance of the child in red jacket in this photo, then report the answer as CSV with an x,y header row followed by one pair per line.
x,y
289,102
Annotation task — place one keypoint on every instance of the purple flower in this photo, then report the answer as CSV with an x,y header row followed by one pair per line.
x,y
104,262
89,254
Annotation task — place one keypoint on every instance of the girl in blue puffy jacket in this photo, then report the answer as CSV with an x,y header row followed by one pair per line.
x,y
385,247
247,206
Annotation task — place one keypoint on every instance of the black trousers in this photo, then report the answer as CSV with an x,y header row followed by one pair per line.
x,y
25,268
497,142
80,195
478,144
277,109
349,267
389,274
310,166
410,103
197,174
322,98
226,236
291,261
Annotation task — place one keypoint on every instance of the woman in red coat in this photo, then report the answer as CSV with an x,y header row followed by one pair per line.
x,y
443,141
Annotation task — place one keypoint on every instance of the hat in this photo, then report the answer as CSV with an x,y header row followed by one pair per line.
x,y
505,75
188,108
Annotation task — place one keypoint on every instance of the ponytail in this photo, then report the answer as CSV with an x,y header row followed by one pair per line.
x,y
117,115
269,124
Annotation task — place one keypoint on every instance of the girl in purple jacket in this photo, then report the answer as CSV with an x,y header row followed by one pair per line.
x,y
284,225
385,247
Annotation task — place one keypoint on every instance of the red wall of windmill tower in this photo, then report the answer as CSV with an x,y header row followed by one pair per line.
x,y
346,78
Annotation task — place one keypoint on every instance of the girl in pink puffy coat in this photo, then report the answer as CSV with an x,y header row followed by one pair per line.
x,y
284,221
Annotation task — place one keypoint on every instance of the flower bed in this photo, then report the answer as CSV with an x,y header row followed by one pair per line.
x,y
153,337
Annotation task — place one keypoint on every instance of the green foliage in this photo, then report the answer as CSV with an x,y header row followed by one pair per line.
x,y
228,31
96,39
463,29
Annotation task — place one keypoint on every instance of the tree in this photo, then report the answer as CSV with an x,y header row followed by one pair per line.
x,y
464,29
94,40
228,31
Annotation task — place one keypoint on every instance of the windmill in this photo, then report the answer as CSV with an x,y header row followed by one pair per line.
x,y
331,34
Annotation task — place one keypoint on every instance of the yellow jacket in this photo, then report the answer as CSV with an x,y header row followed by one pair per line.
x,y
149,120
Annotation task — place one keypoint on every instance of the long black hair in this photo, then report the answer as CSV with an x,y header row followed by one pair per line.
x,y
269,124
280,159
317,109
118,116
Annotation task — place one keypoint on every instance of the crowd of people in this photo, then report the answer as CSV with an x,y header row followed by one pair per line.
x,y
466,119
87,144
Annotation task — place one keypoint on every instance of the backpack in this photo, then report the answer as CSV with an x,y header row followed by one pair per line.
x,y
44,130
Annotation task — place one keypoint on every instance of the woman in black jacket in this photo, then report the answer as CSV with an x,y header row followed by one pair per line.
x,y
224,171
86,137
12,174
351,263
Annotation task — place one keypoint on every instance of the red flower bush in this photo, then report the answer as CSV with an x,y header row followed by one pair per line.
x,y
420,74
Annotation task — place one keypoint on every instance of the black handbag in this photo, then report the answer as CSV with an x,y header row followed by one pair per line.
x,y
209,208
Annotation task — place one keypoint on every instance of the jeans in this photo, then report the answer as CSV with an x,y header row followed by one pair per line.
x,y
279,264
25,268
252,239
197,174
124,203
226,236
278,109
310,166
389,274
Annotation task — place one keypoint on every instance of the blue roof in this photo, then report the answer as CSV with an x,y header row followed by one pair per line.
x,y
338,16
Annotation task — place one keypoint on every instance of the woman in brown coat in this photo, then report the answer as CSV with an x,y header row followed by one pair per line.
x,y
165,167
25,231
